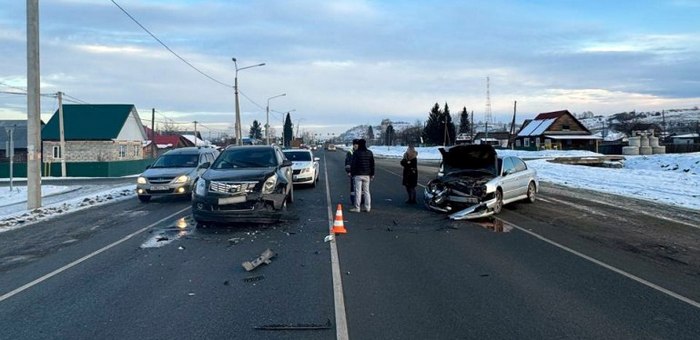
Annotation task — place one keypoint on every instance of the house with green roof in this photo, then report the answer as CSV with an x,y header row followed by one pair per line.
x,y
94,133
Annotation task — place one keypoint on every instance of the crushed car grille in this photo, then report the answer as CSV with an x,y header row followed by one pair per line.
x,y
231,187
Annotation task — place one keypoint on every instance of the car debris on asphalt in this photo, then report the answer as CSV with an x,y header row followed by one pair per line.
x,y
263,258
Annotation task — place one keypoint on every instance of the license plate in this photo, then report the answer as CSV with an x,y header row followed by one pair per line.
x,y
232,200
159,188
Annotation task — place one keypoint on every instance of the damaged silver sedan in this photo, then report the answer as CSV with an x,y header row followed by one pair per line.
x,y
474,182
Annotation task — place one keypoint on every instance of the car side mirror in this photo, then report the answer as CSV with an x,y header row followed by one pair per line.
x,y
204,165
316,159
286,163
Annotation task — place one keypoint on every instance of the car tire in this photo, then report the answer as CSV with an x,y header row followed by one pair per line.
x,y
313,184
499,202
531,193
144,198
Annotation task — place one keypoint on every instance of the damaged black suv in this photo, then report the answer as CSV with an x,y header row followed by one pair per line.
x,y
244,184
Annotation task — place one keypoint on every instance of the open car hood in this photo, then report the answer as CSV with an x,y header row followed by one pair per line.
x,y
466,157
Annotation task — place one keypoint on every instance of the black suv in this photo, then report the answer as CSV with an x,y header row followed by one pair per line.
x,y
244,184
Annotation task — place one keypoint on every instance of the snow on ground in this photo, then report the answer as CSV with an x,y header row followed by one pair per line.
x,y
13,212
672,179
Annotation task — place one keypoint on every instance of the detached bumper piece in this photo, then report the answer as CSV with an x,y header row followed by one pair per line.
x,y
476,211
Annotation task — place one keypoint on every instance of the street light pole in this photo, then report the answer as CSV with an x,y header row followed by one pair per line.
x,y
267,115
239,140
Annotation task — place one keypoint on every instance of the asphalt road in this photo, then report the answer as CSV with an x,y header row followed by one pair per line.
x,y
575,264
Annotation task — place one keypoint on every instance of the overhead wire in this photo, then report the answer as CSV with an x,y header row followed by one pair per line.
x,y
168,48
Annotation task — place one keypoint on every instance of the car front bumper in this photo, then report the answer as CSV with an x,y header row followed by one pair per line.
x,y
168,189
253,207
461,210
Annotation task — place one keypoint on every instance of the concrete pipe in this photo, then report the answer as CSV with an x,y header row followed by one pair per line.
x,y
630,150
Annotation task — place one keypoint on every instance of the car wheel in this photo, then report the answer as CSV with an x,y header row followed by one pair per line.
x,y
290,195
313,184
144,198
499,202
531,193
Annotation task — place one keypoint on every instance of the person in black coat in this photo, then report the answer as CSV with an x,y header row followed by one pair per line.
x,y
362,171
409,162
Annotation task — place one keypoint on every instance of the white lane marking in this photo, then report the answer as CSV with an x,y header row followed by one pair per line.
x,y
84,258
648,214
609,267
341,323
578,206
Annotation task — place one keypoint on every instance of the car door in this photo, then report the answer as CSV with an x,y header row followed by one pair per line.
x,y
509,180
522,175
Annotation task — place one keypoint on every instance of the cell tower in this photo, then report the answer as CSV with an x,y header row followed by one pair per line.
x,y
487,114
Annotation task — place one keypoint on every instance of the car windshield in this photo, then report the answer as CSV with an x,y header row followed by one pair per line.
x,y
176,161
245,158
298,156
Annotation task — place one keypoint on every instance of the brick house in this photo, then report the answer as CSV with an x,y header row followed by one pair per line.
x,y
558,130
19,137
95,133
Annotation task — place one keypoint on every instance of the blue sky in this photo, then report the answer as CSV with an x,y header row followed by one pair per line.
x,y
345,63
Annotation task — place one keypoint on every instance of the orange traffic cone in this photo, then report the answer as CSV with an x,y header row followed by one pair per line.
x,y
338,227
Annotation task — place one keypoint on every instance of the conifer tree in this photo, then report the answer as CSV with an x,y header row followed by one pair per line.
x,y
255,130
464,121
288,130
432,134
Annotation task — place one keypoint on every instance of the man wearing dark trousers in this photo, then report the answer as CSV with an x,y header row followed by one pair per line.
x,y
362,171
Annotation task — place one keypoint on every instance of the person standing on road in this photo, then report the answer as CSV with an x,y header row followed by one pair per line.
x,y
362,171
348,164
409,162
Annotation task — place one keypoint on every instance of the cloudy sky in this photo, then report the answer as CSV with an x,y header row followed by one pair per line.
x,y
345,63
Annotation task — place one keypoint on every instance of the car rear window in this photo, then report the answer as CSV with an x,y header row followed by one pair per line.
x,y
298,156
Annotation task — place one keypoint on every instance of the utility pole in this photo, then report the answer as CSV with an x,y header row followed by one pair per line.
x,y
488,113
62,134
512,126
195,133
33,108
471,129
10,153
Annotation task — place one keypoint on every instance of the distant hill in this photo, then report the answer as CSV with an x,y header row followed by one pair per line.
x,y
673,121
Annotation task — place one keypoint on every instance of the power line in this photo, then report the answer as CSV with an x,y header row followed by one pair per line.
x,y
250,100
14,87
168,48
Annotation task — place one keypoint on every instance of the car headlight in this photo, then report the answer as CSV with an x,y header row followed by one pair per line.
x,y
305,170
269,185
141,180
182,179
200,187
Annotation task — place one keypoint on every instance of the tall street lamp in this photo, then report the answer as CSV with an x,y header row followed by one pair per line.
x,y
239,140
267,114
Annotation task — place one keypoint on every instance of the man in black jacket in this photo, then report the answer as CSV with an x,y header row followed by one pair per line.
x,y
362,172
348,165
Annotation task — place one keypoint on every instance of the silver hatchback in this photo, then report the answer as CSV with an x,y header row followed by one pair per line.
x,y
174,173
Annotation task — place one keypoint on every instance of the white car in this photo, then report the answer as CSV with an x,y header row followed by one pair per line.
x,y
304,166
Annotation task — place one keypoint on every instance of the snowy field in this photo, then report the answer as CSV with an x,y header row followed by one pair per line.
x,y
672,179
